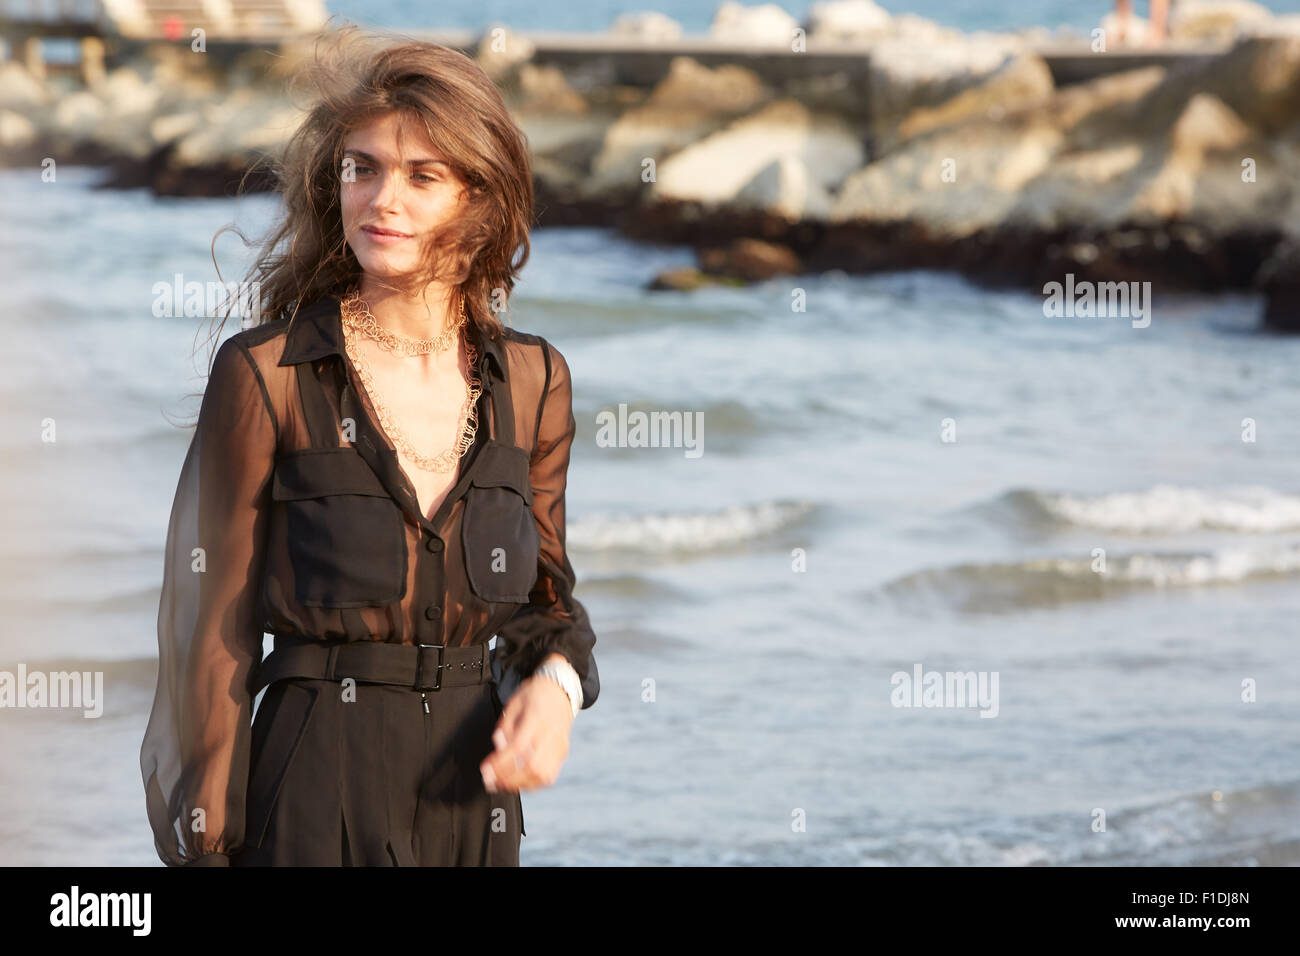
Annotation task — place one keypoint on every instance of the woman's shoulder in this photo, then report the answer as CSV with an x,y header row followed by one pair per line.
x,y
255,343
531,347
535,362
262,343
248,361
510,333
255,335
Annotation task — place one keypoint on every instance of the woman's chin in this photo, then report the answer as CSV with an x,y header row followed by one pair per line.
x,y
386,266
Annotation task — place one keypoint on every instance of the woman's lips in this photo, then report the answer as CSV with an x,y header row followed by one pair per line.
x,y
383,237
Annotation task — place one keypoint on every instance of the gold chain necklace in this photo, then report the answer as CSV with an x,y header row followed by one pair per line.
x,y
353,322
360,317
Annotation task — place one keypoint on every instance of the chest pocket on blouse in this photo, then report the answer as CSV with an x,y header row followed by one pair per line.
x,y
346,541
498,532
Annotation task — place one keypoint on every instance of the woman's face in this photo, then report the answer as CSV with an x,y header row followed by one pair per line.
x,y
390,200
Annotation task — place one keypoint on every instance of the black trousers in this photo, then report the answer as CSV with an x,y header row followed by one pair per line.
x,y
359,775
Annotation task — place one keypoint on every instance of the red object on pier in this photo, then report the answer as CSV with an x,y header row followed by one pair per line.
x,y
173,27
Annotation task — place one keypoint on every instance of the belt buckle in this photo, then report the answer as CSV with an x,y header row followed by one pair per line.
x,y
419,667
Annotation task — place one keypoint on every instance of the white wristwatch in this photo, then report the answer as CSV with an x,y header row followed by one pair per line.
x,y
562,673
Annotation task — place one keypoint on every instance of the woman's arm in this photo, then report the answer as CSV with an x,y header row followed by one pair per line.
x,y
195,753
532,735
553,621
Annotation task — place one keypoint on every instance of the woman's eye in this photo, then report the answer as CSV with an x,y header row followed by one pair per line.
x,y
362,169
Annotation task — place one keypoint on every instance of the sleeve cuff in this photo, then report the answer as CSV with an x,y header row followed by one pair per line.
x,y
575,685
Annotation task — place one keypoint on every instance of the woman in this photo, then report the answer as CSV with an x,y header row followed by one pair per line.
x,y
377,479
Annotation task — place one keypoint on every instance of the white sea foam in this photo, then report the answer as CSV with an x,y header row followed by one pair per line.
x,y
1178,570
675,531
1038,582
1170,509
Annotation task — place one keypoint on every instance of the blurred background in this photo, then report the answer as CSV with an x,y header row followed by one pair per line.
x,y
831,231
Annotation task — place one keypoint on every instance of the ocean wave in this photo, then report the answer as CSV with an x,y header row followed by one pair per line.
x,y
1253,826
679,532
1041,582
1162,509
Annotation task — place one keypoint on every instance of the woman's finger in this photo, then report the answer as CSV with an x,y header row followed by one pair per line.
x,y
512,763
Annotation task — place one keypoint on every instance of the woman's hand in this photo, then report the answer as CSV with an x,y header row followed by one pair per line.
x,y
531,738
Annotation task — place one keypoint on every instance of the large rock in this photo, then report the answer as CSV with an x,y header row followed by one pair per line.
x,y
75,120
1091,179
169,128
852,20
1021,80
967,161
1288,24
1258,79
687,105
564,132
764,25
909,26
1215,20
17,132
1205,126
19,90
1165,154
240,127
130,108
785,187
1149,145
753,260
649,26
690,87
717,169
500,52
909,72
1107,107
546,89
563,147
954,181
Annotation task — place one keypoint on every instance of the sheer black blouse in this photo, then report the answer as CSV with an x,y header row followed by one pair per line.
x,y
293,516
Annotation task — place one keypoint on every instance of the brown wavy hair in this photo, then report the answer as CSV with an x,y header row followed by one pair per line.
x,y
357,76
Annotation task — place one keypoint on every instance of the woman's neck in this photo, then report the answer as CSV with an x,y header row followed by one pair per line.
x,y
422,315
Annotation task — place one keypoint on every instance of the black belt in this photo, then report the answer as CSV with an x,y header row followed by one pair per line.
x,y
418,666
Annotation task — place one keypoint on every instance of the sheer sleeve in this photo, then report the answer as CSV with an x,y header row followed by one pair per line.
x,y
195,754
553,621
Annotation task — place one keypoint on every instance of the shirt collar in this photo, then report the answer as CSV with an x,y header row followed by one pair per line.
x,y
317,331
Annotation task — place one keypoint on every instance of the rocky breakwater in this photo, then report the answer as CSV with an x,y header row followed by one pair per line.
x,y
954,152
935,150
178,122
1187,176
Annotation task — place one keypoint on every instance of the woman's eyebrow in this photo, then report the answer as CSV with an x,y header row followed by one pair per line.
x,y
366,157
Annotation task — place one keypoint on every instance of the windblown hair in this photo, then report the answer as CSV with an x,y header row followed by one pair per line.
x,y
360,77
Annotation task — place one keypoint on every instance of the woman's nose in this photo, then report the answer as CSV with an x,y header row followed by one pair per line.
x,y
389,188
